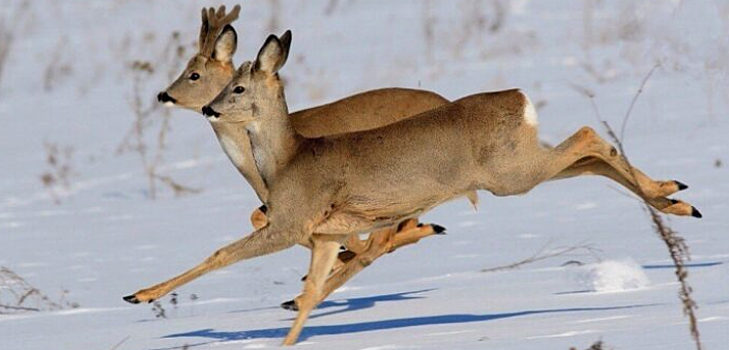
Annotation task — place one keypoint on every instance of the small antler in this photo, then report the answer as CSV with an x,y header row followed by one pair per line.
x,y
213,23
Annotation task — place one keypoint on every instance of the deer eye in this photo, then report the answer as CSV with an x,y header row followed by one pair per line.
x,y
239,89
194,76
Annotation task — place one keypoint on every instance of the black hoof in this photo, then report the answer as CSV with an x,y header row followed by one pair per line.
x,y
438,229
290,305
696,213
303,279
264,208
681,186
131,299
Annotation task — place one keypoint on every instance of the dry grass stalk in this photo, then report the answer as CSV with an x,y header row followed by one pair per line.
x,y
11,19
149,114
676,245
57,179
6,41
17,296
59,66
598,345
117,345
543,254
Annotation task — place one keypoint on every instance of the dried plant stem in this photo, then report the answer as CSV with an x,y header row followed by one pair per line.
x,y
16,293
148,114
121,342
542,254
676,245
635,98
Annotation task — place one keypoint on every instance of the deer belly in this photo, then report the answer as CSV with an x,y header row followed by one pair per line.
x,y
351,221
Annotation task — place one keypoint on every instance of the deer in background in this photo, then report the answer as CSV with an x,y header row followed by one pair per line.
x,y
327,189
211,69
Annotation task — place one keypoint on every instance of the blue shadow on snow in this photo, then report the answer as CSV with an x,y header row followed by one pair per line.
x,y
370,326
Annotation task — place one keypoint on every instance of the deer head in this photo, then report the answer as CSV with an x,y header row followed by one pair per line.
x,y
212,67
256,87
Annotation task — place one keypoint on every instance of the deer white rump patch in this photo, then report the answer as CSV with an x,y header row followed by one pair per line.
x,y
530,113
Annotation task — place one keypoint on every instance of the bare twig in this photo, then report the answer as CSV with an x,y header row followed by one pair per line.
x,y
21,308
676,245
16,294
598,345
635,98
10,20
543,254
149,114
58,177
121,342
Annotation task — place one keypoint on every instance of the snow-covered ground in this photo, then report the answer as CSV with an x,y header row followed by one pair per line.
x,y
66,81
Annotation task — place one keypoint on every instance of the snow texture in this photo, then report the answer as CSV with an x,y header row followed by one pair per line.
x,y
615,276
67,81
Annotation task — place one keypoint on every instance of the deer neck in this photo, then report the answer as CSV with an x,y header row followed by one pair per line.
x,y
233,137
274,141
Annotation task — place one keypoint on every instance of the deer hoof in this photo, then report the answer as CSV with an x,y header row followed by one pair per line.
x,y
696,213
290,305
681,186
131,299
438,229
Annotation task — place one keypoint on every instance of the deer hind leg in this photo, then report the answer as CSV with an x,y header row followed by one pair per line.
x,y
261,242
594,166
323,256
379,243
586,153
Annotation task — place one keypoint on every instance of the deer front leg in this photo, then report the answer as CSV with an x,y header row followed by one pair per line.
x,y
379,243
262,242
323,255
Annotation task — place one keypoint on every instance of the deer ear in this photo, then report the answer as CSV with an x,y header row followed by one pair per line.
x,y
273,53
285,40
226,44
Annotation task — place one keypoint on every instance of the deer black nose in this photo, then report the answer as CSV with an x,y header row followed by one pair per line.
x,y
163,97
207,111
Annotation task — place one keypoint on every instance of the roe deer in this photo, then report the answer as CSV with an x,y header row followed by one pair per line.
x,y
210,70
331,188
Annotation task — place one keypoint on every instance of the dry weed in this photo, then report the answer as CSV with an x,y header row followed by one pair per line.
x,y
18,296
598,345
677,248
57,179
545,253
142,138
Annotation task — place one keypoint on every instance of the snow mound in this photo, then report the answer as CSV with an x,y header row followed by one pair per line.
x,y
615,276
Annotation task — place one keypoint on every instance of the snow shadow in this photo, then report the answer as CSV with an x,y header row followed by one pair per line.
x,y
688,265
370,326
353,304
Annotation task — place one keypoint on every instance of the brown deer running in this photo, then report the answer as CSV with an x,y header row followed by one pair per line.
x,y
333,187
211,69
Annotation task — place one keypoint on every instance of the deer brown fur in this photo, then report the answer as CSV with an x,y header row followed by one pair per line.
x,y
325,190
211,69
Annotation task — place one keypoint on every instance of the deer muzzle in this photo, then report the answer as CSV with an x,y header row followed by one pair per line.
x,y
209,112
165,98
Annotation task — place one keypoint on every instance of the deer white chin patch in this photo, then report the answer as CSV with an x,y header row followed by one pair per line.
x,y
530,113
169,104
